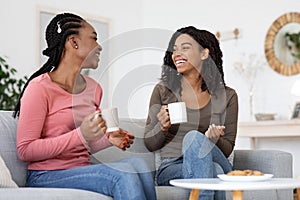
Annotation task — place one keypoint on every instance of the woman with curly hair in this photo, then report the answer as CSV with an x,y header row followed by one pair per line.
x,y
193,73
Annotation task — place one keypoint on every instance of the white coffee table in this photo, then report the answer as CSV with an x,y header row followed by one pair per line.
x,y
237,188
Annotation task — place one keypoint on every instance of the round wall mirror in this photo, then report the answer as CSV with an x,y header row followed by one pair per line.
x,y
279,54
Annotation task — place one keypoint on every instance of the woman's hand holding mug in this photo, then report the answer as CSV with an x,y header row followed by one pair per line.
x,y
164,118
93,126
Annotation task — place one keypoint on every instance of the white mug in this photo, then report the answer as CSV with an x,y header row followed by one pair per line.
x,y
177,112
110,115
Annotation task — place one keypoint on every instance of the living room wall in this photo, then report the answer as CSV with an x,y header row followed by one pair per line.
x,y
253,19
20,34
155,21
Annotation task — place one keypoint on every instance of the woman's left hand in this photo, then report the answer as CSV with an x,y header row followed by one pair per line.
x,y
214,132
121,139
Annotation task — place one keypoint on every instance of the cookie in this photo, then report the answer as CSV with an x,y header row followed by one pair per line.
x,y
247,172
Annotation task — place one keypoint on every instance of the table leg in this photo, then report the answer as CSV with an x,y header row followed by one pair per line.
x,y
194,195
298,193
237,195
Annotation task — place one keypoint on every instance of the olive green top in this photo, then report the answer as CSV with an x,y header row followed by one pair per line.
x,y
223,112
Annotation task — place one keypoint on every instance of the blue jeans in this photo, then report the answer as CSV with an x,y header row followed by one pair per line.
x,y
201,159
127,179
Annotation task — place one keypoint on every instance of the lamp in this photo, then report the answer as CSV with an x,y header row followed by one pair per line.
x,y
295,90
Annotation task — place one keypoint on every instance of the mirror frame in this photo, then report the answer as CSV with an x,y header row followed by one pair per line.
x,y
274,62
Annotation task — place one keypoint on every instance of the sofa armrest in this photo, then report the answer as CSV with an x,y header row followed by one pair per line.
x,y
275,162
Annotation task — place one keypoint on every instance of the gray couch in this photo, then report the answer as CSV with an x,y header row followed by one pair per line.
x,y
269,161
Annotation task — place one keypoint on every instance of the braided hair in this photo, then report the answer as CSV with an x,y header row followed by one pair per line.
x,y
58,30
212,69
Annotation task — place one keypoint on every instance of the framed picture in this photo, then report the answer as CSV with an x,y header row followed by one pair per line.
x,y
101,25
296,111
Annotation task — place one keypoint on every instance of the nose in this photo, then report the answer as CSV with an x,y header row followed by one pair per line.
x,y
177,52
100,47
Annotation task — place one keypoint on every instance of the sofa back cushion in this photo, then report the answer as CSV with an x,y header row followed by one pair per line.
x,y
8,127
138,149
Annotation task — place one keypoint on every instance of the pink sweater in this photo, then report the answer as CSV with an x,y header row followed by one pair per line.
x,y
48,133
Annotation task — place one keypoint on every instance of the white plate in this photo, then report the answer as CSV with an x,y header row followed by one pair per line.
x,y
224,177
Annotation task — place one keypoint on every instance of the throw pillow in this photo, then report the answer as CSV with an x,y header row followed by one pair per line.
x,y
5,176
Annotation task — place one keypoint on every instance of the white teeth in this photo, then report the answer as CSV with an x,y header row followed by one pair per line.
x,y
180,61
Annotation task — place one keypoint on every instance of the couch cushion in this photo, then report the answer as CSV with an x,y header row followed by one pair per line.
x,y
49,194
171,193
5,176
17,168
275,162
138,149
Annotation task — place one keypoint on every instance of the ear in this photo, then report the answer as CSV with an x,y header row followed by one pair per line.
x,y
204,53
73,42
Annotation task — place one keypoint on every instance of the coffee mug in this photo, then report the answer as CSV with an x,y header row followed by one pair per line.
x,y
177,112
110,115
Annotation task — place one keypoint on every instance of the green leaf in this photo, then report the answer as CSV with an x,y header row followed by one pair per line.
x,y
10,87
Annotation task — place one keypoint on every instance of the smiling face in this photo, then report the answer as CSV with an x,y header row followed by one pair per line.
x,y
187,54
89,49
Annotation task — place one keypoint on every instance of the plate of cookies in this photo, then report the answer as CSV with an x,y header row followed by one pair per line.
x,y
245,175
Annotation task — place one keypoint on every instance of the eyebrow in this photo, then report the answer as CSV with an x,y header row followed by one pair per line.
x,y
184,44
94,33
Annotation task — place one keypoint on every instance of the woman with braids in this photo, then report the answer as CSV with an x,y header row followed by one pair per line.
x,y
59,128
192,72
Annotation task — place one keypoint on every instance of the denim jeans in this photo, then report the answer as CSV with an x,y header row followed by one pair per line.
x,y
201,159
127,179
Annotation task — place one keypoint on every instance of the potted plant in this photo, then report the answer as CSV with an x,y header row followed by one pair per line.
x,y
10,86
293,44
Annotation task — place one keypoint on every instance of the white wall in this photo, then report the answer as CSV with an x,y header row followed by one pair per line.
x,y
254,18
20,33
128,23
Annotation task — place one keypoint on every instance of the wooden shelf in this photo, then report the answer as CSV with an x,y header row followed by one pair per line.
x,y
269,129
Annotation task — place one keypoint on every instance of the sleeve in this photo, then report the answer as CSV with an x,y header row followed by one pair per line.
x,y
103,142
30,144
98,95
100,144
154,138
227,142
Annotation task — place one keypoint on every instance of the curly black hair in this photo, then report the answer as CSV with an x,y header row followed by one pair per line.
x,y
58,30
212,69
